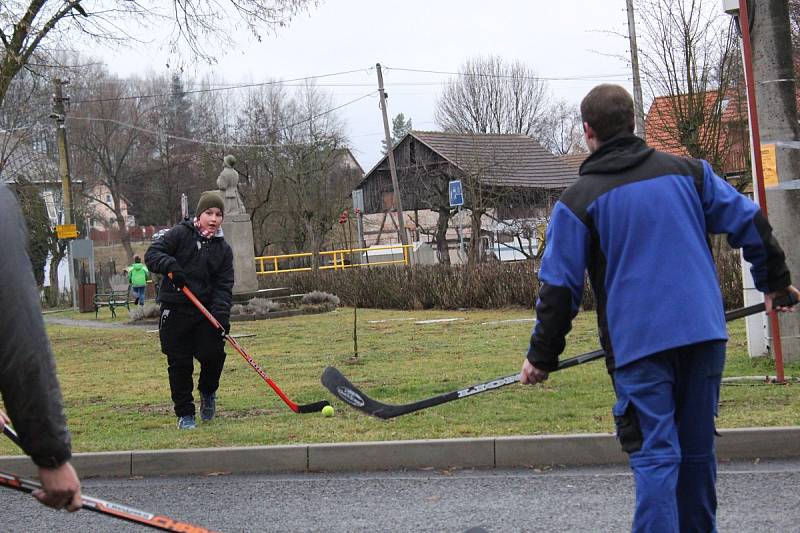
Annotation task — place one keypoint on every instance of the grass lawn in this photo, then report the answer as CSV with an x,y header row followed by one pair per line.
x,y
117,395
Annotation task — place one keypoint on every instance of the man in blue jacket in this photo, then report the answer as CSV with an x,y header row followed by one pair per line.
x,y
637,220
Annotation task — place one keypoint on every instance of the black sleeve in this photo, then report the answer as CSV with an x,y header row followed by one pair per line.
x,y
554,314
160,256
28,381
222,287
778,276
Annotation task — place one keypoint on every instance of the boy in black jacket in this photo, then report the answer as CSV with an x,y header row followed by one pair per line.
x,y
194,254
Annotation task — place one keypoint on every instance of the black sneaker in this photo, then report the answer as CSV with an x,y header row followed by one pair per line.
x,y
208,406
187,422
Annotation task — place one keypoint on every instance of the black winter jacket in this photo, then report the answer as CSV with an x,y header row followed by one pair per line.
x,y
207,263
28,382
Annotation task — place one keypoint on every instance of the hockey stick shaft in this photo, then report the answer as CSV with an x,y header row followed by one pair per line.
x,y
116,510
342,388
307,408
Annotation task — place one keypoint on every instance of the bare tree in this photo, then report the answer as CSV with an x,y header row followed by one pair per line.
x,y
260,125
105,133
562,130
168,160
30,28
492,96
294,161
316,178
495,97
690,55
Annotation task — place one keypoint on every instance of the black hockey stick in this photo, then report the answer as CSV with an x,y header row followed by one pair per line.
x,y
123,512
343,389
297,408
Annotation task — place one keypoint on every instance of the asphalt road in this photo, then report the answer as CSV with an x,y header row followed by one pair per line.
x,y
754,497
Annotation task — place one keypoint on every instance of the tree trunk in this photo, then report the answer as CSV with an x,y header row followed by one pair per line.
x,y
442,248
475,253
125,237
53,295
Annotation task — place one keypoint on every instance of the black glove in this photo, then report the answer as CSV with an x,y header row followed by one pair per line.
x,y
225,322
178,279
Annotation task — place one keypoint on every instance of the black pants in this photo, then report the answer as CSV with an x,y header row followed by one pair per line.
x,y
187,335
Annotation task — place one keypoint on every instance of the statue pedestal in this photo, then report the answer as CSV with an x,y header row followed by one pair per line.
x,y
239,235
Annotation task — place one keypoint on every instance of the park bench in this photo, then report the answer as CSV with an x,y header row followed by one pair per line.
x,y
118,297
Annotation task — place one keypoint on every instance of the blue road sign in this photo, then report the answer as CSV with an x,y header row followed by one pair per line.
x,y
456,193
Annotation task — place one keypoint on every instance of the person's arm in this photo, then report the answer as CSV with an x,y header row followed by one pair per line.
x,y
222,290
28,382
561,278
160,257
730,212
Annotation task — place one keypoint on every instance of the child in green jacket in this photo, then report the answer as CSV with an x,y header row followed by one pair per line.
x,y
137,277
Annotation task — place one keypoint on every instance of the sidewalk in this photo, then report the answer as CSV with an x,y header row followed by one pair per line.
x,y
488,452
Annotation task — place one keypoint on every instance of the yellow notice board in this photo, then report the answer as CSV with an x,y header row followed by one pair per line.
x,y
67,231
769,163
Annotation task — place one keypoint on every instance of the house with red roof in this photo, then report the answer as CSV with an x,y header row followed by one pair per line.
x,y
709,125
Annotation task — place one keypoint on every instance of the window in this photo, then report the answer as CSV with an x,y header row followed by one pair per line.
x,y
388,199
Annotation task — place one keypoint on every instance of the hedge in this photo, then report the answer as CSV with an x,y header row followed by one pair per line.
x,y
490,285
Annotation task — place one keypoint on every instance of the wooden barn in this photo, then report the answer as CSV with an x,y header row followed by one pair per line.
x,y
508,181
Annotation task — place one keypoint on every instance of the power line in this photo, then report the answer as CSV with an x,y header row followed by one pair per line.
x,y
489,75
219,143
215,89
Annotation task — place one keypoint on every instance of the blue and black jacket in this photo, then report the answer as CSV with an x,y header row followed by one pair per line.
x,y
638,220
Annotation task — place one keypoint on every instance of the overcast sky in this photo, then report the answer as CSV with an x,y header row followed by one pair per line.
x,y
579,41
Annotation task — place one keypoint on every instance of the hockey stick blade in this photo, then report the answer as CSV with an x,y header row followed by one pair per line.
x,y
342,388
315,407
116,510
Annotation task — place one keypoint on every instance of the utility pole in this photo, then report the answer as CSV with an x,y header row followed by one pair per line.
x,y
398,204
770,88
638,103
60,115
774,84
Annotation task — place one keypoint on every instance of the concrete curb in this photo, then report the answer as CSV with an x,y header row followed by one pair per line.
x,y
488,452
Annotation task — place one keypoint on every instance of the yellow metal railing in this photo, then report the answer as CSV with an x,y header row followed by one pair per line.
x,y
338,259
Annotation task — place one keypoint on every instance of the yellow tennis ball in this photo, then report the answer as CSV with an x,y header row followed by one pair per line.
x,y
327,411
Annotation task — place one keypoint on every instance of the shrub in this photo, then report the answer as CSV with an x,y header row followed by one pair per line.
x,y
486,285
239,309
262,306
256,306
320,298
149,310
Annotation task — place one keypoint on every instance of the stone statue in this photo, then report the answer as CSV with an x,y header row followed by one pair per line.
x,y
228,182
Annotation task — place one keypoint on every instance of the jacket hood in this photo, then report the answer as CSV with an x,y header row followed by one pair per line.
x,y
617,154
137,266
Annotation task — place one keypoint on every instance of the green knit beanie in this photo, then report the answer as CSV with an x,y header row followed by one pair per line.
x,y
210,199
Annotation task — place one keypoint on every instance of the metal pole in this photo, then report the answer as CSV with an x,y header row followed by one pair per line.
x,y
638,103
744,23
460,236
185,206
398,205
